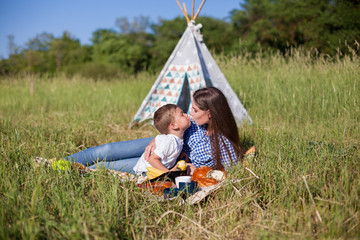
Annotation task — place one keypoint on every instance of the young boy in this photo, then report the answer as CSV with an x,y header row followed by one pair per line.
x,y
171,122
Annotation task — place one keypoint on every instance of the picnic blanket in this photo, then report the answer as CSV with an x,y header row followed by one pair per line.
x,y
143,181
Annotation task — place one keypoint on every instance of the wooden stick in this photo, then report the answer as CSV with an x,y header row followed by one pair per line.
x,y
192,12
180,6
198,11
186,14
185,10
187,18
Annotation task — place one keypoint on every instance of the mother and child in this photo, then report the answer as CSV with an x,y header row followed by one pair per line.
x,y
209,137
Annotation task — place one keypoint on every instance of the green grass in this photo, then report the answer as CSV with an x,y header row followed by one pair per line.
x,y
306,116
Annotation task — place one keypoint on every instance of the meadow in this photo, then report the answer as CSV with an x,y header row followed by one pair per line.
x,y
306,115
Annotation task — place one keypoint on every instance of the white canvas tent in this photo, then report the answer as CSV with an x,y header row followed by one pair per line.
x,y
189,67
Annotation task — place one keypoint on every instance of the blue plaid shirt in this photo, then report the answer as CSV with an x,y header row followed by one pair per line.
x,y
198,148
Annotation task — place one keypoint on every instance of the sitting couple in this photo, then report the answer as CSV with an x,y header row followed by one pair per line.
x,y
208,138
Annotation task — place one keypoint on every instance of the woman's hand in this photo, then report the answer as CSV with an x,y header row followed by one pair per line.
x,y
149,149
190,168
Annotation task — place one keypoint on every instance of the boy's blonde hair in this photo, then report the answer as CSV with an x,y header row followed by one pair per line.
x,y
163,117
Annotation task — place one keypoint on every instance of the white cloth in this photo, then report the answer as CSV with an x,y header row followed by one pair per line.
x,y
168,148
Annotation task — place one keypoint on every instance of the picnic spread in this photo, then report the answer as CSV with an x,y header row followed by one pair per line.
x,y
165,186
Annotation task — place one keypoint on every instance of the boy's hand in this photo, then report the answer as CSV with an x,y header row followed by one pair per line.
x,y
173,168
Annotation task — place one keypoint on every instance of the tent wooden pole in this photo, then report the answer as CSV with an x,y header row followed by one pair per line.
x,y
185,10
192,12
180,6
198,11
185,14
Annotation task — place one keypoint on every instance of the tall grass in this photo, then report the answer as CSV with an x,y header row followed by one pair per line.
x,y
306,116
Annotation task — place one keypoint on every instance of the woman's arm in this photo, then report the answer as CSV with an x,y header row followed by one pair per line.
x,y
149,149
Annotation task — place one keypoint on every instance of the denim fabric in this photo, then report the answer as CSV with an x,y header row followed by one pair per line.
x,y
123,165
120,156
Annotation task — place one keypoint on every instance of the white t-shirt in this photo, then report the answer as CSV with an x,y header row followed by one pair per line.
x,y
168,148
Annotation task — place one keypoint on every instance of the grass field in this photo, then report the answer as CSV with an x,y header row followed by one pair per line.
x,y
306,116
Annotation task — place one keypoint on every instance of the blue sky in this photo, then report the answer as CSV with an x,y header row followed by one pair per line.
x,y
26,18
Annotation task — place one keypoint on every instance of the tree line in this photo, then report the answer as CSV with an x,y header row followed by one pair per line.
x,y
323,26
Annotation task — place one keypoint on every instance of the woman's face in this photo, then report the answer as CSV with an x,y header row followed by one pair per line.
x,y
199,116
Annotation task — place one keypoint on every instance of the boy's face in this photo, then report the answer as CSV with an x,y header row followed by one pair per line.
x,y
181,119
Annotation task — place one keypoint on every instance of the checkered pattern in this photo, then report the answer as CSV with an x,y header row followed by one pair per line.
x,y
198,148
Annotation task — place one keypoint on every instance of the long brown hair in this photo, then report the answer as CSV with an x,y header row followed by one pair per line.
x,y
222,121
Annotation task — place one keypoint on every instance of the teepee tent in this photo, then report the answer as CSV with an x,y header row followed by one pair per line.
x,y
189,68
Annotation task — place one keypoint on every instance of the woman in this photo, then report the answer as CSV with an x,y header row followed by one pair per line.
x,y
211,140
215,123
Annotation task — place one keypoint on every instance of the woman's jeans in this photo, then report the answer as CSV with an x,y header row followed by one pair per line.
x,y
119,156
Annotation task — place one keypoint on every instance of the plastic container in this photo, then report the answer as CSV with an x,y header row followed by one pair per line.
x,y
182,179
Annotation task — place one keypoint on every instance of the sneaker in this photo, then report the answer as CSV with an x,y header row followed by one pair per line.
x,y
39,161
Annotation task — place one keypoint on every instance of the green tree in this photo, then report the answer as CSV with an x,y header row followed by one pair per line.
x,y
36,54
138,25
15,62
167,34
128,50
336,28
99,38
41,42
101,34
12,47
253,24
67,51
280,24
217,35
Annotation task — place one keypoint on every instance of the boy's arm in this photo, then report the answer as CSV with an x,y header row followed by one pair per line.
x,y
155,161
